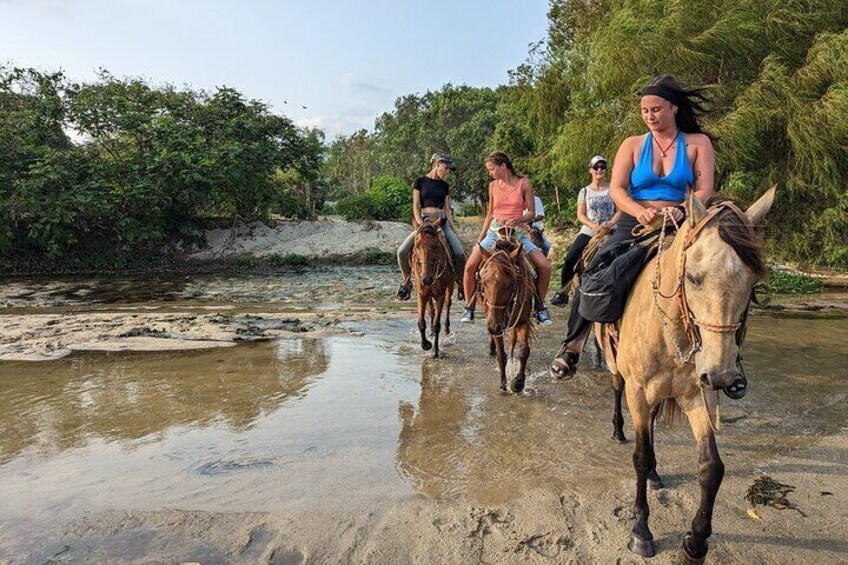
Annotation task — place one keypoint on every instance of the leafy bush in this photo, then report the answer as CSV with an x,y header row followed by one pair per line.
x,y
783,282
387,199
469,209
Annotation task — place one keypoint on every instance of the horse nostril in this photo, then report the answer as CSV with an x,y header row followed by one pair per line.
x,y
705,380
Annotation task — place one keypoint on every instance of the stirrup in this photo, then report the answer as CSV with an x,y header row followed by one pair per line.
x,y
566,370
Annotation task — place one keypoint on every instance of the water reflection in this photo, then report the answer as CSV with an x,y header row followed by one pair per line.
x,y
124,397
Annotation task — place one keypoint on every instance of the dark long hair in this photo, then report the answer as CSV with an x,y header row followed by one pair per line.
x,y
499,158
691,102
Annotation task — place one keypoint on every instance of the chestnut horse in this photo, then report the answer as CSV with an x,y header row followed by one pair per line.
x,y
679,342
432,268
506,289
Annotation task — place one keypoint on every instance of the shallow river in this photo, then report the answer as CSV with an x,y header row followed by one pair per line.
x,y
362,419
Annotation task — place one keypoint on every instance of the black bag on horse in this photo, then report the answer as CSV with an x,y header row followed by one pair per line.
x,y
604,289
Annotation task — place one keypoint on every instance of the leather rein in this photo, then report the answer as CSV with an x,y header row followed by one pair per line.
x,y
691,324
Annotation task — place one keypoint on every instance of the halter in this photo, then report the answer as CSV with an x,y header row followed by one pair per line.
x,y
443,261
691,325
516,297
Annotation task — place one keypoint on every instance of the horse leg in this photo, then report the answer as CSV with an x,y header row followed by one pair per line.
x,y
617,417
492,349
499,346
521,333
654,480
422,323
437,326
448,300
641,538
710,475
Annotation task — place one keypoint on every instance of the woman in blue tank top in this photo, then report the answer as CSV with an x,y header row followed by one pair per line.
x,y
650,177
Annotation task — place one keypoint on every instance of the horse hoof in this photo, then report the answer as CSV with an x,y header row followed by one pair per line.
x,y
426,345
619,438
436,355
655,483
517,386
685,556
645,548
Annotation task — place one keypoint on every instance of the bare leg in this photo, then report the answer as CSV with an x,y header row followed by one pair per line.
x,y
469,280
543,275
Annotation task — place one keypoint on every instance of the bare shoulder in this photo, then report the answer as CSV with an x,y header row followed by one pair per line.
x,y
698,140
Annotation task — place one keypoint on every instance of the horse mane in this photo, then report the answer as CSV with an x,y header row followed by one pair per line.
x,y
733,231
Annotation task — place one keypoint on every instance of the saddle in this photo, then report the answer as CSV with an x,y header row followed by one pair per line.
x,y
507,234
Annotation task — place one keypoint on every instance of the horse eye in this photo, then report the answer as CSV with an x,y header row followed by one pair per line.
x,y
696,281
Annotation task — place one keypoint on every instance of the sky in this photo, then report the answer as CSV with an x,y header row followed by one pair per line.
x,y
331,64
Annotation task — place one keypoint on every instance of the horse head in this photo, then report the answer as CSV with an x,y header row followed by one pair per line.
x,y
722,259
499,283
428,251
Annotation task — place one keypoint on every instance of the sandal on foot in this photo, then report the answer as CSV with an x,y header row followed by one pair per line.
x,y
566,369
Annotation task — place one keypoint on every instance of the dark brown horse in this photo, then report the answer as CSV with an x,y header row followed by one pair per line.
x,y
678,345
506,289
432,268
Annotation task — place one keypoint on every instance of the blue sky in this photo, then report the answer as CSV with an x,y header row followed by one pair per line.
x,y
345,61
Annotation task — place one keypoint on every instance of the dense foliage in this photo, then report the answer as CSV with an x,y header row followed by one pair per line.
x,y
146,160
387,199
777,71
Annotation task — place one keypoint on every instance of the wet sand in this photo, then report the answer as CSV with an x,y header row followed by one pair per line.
x,y
339,441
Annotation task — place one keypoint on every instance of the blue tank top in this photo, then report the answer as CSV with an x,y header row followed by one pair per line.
x,y
646,185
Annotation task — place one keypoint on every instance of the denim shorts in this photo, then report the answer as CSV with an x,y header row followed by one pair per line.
x,y
491,238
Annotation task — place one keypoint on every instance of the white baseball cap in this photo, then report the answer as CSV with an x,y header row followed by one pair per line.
x,y
597,159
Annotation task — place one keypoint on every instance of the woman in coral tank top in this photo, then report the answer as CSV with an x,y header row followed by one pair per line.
x,y
511,204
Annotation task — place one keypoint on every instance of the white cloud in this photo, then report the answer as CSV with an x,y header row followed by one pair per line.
x,y
347,80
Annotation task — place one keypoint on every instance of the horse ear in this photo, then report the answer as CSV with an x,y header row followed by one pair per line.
x,y
516,252
758,210
695,209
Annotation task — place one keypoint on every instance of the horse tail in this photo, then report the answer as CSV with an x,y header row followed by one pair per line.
x,y
669,410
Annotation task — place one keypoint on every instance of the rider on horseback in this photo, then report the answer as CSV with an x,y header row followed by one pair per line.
x,y
647,183
431,199
511,204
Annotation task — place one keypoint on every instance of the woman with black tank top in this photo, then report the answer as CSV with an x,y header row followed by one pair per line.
x,y
431,199
650,175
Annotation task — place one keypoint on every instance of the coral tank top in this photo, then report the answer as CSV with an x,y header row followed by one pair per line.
x,y
508,203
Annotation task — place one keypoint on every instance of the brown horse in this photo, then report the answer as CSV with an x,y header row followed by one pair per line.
x,y
432,268
679,342
506,288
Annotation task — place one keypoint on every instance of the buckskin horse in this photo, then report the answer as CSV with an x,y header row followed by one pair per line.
x,y
678,344
432,268
506,289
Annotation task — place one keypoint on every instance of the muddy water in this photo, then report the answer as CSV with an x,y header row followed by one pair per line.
x,y
357,421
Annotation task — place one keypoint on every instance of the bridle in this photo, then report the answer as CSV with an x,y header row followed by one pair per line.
x,y
515,306
691,325
442,260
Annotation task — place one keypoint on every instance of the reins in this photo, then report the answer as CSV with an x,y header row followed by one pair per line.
x,y
513,318
443,261
692,325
